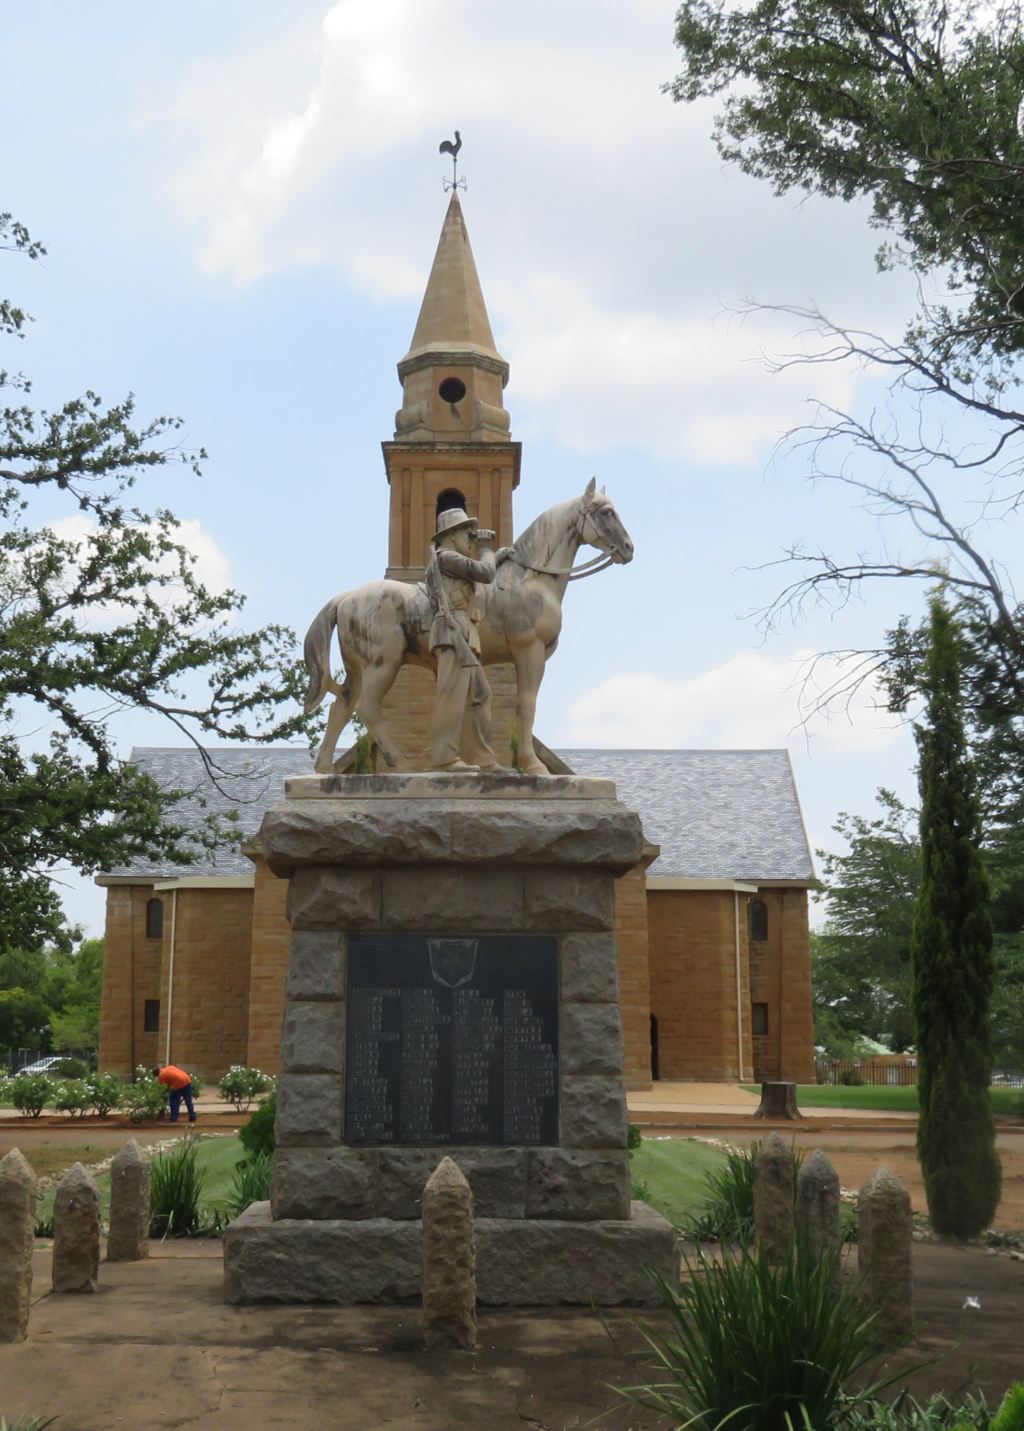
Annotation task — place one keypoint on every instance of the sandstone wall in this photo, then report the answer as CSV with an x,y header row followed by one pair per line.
x,y
634,976
210,1006
131,975
780,978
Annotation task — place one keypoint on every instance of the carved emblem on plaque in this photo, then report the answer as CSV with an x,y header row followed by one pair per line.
x,y
452,961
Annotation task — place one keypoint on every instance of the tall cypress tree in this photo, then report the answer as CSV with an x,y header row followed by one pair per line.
x,y
951,954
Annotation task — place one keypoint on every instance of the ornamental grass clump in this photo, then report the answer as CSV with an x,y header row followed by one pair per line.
x,y
726,1213
754,1347
250,1183
176,1191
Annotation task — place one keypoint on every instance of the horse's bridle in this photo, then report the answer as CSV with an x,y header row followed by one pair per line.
x,y
574,573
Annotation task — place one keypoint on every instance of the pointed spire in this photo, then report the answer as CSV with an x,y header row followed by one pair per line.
x,y
453,316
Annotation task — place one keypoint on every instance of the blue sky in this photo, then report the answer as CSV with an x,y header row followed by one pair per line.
x,y
241,203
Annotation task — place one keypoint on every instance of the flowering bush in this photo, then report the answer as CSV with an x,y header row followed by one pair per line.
x,y
241,1086
106,1092
71,1096
30,1093
145,1099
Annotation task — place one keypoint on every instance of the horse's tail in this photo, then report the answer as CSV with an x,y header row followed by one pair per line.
x,y
316,653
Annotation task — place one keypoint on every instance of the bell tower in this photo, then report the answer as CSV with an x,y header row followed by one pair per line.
x,y
452,445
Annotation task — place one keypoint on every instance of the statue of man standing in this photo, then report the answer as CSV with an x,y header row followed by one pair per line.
x,y
462,557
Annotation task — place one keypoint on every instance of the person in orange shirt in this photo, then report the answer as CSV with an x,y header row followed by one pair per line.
x,y
180,1084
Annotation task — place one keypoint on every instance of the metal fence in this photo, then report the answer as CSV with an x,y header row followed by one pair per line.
x,y
894,1072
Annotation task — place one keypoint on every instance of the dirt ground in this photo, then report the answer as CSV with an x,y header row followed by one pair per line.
x,y
855,1156
156,1350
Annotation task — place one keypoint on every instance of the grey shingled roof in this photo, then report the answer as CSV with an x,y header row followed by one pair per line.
x,y
717,814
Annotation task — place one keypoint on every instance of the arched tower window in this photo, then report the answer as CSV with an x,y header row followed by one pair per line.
x,y
449,498
758,920
154,918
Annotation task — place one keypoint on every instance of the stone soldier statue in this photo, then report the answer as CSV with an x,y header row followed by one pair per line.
x,y
462,557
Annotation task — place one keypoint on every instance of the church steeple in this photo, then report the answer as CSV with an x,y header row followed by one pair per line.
x,y
453,375
452,444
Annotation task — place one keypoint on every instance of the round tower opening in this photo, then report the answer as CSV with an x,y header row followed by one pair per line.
x,y
449,498
452,390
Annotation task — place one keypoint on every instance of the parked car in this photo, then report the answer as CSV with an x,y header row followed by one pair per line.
x,y
41,1065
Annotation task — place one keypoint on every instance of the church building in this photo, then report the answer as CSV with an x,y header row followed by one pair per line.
x,y
712,926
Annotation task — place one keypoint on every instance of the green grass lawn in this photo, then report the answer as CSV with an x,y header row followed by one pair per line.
x,y
884,1098
216,1156
673,1171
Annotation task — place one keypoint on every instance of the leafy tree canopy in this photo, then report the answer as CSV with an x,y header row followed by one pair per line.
x,y
912,104
103,610
51,996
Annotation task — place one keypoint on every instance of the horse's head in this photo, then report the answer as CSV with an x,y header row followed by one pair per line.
x,y
601,526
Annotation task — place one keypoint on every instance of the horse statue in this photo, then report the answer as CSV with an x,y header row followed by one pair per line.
x,y
384,625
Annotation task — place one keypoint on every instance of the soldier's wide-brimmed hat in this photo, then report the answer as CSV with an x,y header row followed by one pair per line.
x,y
452,521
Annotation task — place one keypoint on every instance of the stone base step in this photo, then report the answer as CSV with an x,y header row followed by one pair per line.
x,y
520,1262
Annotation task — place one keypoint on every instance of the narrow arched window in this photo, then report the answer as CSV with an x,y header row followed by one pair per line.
x,y
154,918
449,498
758,920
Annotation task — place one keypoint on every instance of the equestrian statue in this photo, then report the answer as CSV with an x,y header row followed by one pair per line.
x,y
475,608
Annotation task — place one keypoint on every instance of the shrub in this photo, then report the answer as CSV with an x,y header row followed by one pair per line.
x,y
71,1096
851,1078
30,1093
251,1182
145,1099
1010,1416
242,1086
258,1134
106,1092
69,1068
176,1183
754,1347
634,1138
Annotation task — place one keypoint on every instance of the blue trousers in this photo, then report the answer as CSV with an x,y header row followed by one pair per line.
x,y
177,1094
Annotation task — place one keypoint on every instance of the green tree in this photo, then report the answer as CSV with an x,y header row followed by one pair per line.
x,y
861,958
952,960
96,615
24,1020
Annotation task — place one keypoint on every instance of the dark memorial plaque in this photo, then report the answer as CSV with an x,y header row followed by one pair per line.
x,y
452,1040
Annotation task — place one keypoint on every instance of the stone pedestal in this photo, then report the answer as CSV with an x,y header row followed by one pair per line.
x,y
512,876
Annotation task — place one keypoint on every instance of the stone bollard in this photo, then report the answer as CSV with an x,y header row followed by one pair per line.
x,y
17,1236
884,1246
76,1232
773,1198
817,1206
129,1206
449,1260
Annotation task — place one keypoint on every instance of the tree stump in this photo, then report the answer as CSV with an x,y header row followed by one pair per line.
x,y
778,1100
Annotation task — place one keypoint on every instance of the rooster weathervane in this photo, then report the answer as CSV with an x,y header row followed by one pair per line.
x,y
452,147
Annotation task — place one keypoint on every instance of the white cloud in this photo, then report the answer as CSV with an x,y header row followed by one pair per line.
x,y
212,567
607,233
750,701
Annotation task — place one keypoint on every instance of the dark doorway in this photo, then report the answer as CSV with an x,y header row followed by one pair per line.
x,y
655,1075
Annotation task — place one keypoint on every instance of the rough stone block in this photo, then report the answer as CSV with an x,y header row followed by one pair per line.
x,y
129,1205
519,1263
325,1183
316,965
352,832
576,1183
17,1235
76,1232
884,1256
291,1261
308,1110
456,901
449,1261
568,899
328,898
497,1177
590,1039
313,1038
590,969
592,832
773,1198
592,1112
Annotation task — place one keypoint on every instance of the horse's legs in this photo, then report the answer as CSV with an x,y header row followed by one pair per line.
x,y
377,681
338,717
529,673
